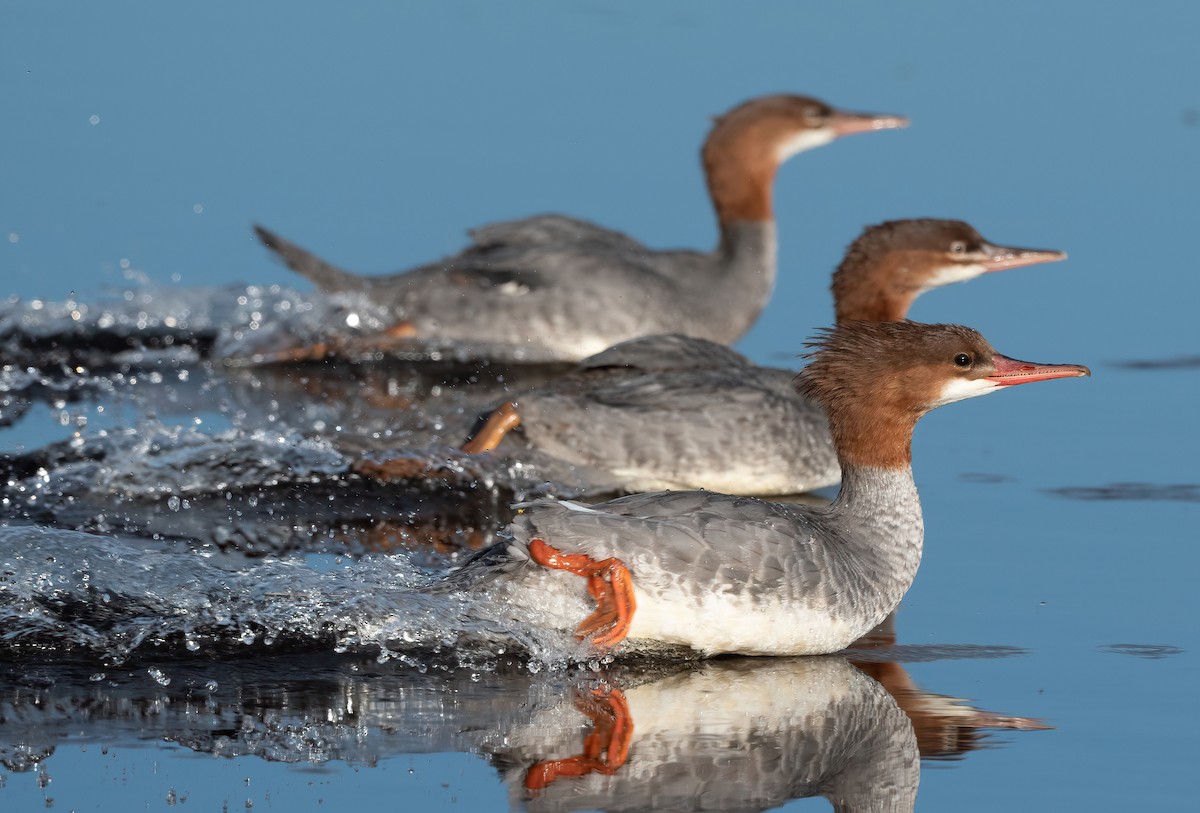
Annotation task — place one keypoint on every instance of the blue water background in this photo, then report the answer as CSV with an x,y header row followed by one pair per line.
x,y
141,140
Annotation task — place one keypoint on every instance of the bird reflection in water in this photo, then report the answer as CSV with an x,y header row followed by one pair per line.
x,y
946,727
763,732
724,734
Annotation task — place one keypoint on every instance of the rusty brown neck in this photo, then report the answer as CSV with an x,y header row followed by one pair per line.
x,y
740,177
865,287
873,438
877,305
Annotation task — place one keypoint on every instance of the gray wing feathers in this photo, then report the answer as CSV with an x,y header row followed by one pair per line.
x,y
511,252
668,351
686,391
544,229
682,539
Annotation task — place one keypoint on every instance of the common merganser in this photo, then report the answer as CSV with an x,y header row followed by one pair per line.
x,y
724,574
701,734
554,288
731,734
674,412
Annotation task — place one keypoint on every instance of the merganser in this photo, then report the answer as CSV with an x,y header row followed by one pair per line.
x,y
723,574
674,412
730,734
554,288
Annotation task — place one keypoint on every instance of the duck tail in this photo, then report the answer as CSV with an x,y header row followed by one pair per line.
x,y
329,278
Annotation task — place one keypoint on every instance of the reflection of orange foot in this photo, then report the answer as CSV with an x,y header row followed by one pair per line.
x,y
503,419
406,469
378,397
381,342
389,535
309,352
343,347
401,330
605,749
609,583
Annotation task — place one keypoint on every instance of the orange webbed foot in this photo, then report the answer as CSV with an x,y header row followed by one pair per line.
x,y
605,749
609,582
318,351
503,420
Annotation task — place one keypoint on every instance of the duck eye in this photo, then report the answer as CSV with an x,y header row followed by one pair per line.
x,y
962,360
958,247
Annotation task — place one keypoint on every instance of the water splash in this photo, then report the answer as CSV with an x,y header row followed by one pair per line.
x,y
155,459
66,591
244,324
150,323
268,492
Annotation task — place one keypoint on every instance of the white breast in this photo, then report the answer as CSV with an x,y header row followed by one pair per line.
x,y
721,622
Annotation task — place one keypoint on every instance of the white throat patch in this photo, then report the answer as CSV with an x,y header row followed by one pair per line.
x,y
949,274
959,388
803,140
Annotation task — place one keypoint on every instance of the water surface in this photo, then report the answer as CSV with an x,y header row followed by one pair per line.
x,y
1060,520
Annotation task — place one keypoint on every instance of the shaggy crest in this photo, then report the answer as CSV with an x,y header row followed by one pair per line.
x,y
854,355
876,379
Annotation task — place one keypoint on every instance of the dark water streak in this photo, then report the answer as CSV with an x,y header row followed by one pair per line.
x,y
1149,492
